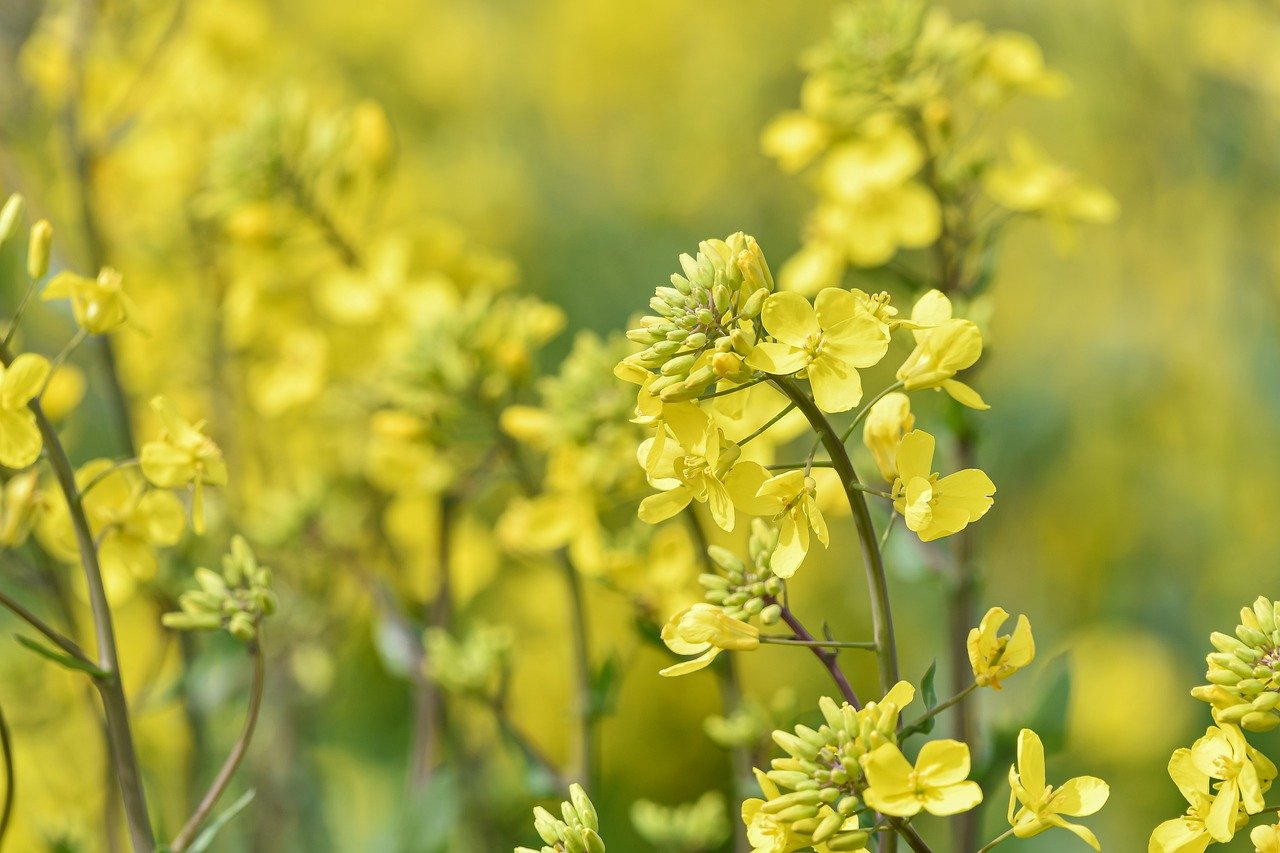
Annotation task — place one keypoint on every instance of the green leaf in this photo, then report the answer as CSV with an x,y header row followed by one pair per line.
x,y
929,694
60,658
205,838
604,688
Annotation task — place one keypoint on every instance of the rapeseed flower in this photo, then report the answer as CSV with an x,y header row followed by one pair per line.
x,y
20,383
183,455
938,783
995,657
944,347
936,506
705,630
1035,806
828,340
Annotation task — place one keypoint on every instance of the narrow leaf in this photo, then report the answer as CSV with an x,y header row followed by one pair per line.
x,y
59,658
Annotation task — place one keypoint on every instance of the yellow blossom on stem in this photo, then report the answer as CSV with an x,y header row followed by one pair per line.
x,y
1035,806
1245,774
183,455
1189,833
995,657
99,305
1031,182
829,340
692,468
20,382
889,419
766,831
936,506
705,630
938,783
944,347
790,499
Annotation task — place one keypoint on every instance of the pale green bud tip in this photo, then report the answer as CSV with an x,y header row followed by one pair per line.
x,y
38,249
11,217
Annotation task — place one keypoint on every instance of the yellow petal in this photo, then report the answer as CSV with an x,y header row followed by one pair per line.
x,y
20,440
790,318
1081,796
953,799
656,509
1031,762
688,666
23,380
837,387
776,359
943,762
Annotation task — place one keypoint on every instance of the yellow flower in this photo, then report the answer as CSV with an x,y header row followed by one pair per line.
x,y
994,657
938,783
794,139
886,423
692,468
766,832
944,347
1266,839
1188,833
20,502
1032,183
1015,63
790,499
1042,806
183,455
705,630
20,382
1244,772
98,304
829,340
932,506
128,521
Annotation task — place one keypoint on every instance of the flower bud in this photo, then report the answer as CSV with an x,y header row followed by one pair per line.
x,y
38,249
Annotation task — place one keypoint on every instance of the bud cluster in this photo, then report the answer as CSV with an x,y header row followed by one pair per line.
x,y
474,665
823,770
701,327
744,591
701,825
576,831
1244,672
236,600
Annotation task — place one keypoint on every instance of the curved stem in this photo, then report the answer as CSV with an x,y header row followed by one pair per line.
x,y
827,657
237,754
865,410
110,686
873,564
6,745
773,420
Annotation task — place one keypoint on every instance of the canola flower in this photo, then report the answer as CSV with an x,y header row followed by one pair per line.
x,y
938,782
995,657
1035,806
705,630
183,455
935,506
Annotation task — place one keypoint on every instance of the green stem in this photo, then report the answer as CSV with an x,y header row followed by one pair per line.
x,y
735,389
873,564
792,466
234,758
110,686
773,420
6,745
1004,836
820,644
22,309
865,410
916,724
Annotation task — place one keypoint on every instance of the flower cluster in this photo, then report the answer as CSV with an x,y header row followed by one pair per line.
x,y
237,600
577,830
1222,776
475,665
687,828
892,129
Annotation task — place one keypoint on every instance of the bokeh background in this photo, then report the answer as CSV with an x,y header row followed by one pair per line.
x,y
1134,383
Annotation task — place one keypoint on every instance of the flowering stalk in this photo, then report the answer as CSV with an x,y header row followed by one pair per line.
x,y
826,656
873,563
109,683
234,758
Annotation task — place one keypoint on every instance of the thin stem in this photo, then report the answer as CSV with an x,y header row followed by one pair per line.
x,y
1004,836
907,831
735,389
104,474
791,466
22,309
10,782
873,564
828,658
72,345
580,642
307,203
234,758
916,724
822,644
888,528
52,634
865,410
110,686
773,420
880,493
